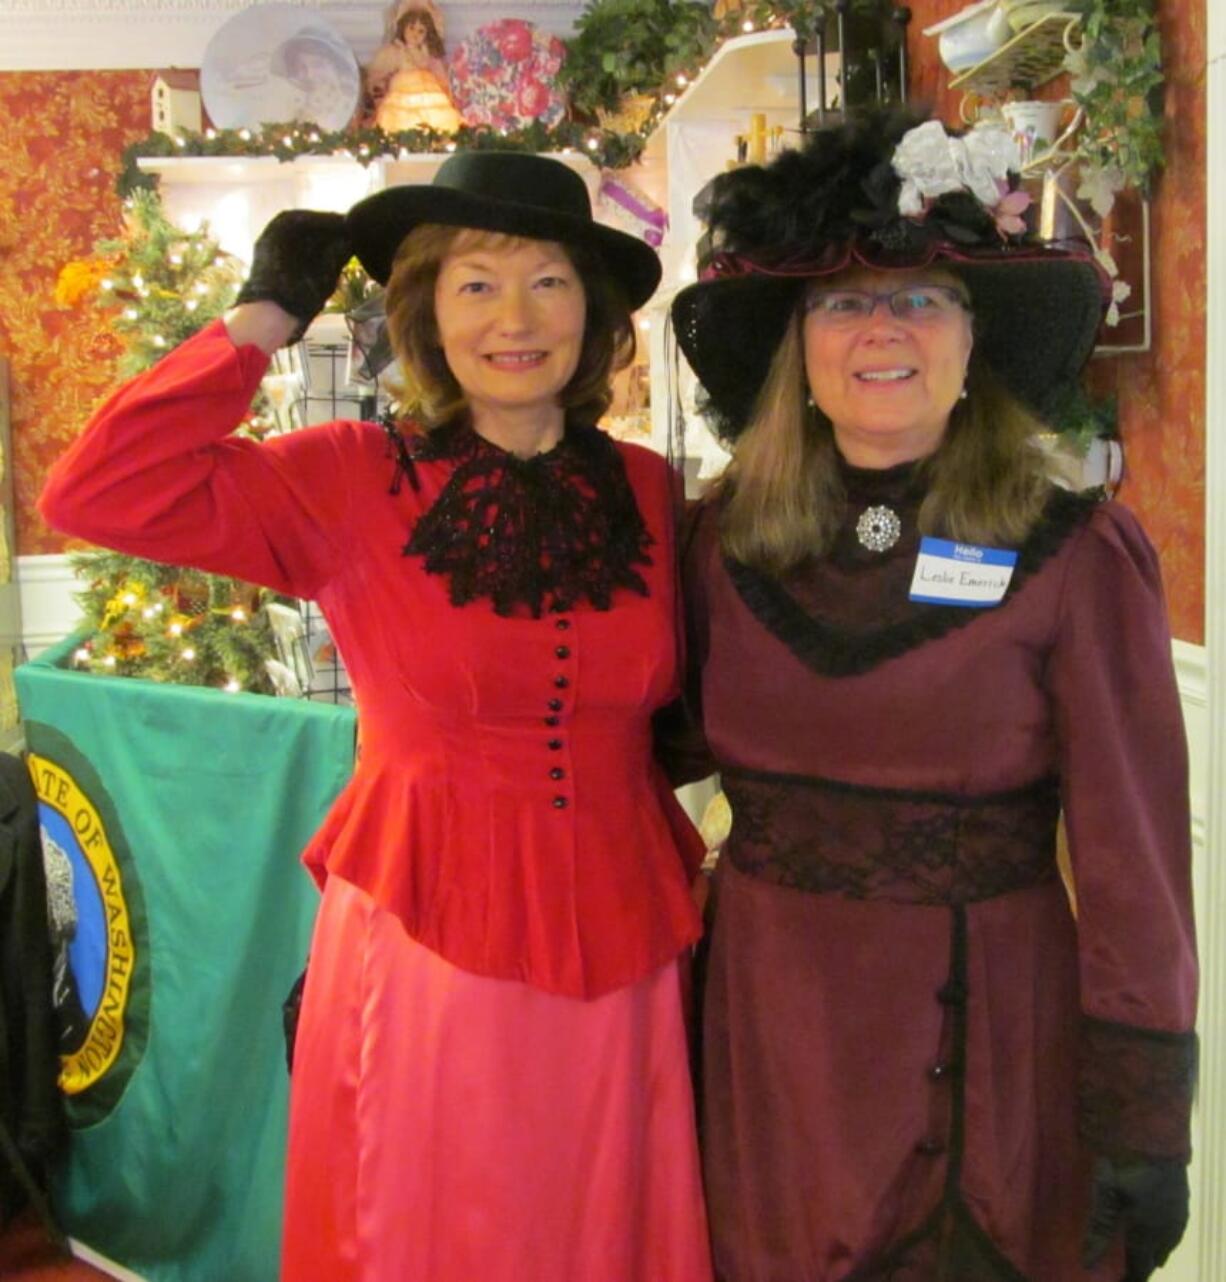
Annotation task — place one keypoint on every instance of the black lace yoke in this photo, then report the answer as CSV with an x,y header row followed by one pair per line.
x,y
530,535
847,612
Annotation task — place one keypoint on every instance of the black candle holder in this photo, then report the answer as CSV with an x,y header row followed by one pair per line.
x,y
872,49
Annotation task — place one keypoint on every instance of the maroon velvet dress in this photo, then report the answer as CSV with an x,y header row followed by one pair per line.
x,y
914,1044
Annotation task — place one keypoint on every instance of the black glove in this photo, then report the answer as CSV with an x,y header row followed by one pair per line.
x,y
297,263
1148,1202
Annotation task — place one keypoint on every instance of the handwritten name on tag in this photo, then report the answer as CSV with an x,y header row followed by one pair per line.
x,y
948,573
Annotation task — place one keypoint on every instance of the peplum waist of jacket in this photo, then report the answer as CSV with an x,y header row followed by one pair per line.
x,y
558,857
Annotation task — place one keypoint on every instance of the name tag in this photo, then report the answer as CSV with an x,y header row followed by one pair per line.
x,y
948,573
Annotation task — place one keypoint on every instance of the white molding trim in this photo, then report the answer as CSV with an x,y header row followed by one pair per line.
x,y
125,35
48,611
1192,677
1209,1169
1190,672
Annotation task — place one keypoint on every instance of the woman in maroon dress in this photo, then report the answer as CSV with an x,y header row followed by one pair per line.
x,y
491,1077
926,1056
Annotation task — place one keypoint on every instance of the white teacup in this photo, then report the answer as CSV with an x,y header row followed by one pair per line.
x,y
1038,131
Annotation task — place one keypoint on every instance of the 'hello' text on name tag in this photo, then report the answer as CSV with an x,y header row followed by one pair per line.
x,y
949,573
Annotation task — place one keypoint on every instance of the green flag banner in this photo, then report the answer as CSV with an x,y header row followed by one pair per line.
x,y
172,819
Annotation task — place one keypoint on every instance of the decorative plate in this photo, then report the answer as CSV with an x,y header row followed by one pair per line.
x,y
504,75
274,63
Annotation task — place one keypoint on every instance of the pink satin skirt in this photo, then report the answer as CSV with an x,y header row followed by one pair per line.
x,y
450,1128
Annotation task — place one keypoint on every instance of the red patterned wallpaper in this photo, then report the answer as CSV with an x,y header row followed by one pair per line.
x,y
1161,392
61,138
61,135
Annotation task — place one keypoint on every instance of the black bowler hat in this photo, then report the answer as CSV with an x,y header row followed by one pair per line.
x,y
513,192
834,203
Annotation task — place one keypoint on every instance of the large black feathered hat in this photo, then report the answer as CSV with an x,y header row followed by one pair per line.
x,y
512,192
885,191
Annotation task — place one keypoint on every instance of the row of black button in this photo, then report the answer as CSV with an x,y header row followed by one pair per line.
x,y
952,993
555,705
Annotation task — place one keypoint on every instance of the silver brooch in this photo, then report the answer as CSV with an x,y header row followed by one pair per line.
x,y
878,528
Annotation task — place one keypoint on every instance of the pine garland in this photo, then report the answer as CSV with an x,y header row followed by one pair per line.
x,y
608,149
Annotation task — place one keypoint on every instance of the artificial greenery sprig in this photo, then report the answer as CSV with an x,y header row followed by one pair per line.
x,y
625,47
1116,76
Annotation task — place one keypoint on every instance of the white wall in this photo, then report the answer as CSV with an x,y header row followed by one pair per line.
x,y
63,35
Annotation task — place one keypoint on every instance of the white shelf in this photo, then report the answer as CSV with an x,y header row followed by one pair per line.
x,y
694,141
757,72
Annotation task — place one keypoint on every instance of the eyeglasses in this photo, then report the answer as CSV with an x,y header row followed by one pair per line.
x,y
914,304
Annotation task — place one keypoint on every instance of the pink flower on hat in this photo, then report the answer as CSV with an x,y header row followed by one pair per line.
x,y
1009,209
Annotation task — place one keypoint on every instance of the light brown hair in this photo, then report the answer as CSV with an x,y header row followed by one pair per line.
x,y
988,480
608,333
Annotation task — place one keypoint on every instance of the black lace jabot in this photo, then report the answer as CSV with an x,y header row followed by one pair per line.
x,y
530,535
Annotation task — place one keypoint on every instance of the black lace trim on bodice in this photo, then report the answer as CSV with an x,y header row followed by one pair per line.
x,y
531,535
879,622
828,837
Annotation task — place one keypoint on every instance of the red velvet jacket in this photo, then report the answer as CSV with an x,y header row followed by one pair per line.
x,y
548,852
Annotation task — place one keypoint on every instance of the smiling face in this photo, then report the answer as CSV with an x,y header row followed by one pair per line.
x,y
510,319
886,384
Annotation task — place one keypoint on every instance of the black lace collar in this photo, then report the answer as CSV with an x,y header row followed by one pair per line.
x,y
531,535
836,652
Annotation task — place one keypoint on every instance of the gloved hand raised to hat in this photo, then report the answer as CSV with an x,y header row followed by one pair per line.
x,y
297,263
1144,1201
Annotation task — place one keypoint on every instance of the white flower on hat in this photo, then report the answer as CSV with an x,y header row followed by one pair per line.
x,y
931,164
926,162
988,152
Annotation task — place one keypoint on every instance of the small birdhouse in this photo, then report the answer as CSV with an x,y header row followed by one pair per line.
x,y
174,99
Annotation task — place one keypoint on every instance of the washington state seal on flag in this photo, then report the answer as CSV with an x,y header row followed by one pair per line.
x,y
98,927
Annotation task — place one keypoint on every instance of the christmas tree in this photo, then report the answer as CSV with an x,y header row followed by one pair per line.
x,y
165,622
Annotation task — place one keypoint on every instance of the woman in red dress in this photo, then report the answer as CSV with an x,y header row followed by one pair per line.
x,y
927,1059
490,1075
